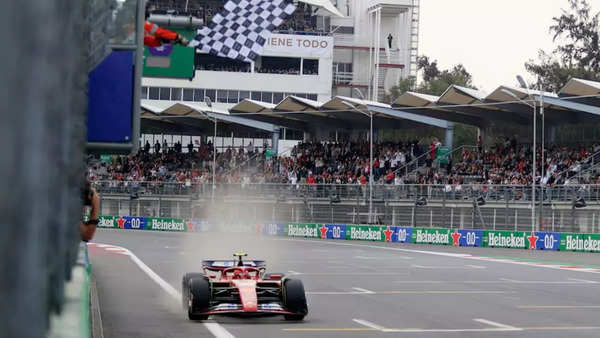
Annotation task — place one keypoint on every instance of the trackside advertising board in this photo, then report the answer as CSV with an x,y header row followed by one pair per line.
x,y
301,230
466,237
580,242
431,236
537,240
505,239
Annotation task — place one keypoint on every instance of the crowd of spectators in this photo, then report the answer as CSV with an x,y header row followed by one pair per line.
x,y
509,163
224,67
348,163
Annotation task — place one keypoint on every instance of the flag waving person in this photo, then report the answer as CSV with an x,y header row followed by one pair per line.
x,y
155,36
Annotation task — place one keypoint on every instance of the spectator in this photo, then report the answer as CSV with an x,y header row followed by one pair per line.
x,y
90,198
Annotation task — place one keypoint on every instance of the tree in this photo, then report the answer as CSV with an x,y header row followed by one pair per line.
x,y
578,55
435,82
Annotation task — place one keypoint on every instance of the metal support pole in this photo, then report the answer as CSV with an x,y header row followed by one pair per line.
x,y
371,169
533,172
214,166
543,161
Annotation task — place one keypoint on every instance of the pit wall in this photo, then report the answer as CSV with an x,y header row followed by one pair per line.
x,y
537,240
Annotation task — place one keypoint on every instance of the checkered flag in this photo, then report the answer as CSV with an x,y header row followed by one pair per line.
x,y
241,30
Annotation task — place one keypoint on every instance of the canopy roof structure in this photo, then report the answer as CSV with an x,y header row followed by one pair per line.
x,y
508,105
325,4
338,113
188,118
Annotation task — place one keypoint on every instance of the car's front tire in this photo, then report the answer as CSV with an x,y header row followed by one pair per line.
x,y
198,298
185,287
294,299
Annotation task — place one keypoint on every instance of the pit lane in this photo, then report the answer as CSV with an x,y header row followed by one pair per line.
x,y
353,288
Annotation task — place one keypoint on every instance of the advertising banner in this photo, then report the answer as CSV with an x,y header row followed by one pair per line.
x,y
466,237
505,239
128,222
299,46
106,222
198,225
165,224
273,229
431,236
173,61
301,230
364,233
580,242
402,235
333,231
543,240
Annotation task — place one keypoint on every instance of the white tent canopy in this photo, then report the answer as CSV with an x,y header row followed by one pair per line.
x,y
325,4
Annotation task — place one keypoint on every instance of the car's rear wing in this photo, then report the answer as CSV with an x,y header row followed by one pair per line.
x,y
224,264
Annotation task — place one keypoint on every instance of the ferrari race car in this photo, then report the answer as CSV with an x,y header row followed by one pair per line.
x,y
241,287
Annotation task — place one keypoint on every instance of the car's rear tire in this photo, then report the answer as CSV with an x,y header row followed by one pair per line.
x,y
185,287
294,299
199,298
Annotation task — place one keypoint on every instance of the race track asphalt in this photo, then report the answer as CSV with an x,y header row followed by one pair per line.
x,y
355,289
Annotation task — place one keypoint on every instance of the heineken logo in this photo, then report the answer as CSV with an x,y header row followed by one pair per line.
x,y
510,241
171,225
584,244
434,237
302,231
106,222
365,234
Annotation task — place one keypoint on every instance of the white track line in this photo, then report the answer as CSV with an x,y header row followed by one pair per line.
x,y
368,324
449,254
476,266
584,280
215,328
364,290
573,281
498,325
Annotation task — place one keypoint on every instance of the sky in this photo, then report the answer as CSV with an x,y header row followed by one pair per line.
x,y
492,38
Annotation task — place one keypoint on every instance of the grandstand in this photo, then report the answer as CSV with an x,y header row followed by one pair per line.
x,y
299,96
324,178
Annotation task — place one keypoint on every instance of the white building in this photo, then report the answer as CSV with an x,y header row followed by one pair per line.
x,y
331,57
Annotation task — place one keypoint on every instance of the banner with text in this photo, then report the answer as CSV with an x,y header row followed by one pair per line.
x,y
431,236
311,46
301,230
505,239
580,242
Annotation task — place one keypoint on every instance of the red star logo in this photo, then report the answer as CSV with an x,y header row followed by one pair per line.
x,y
388,234
455,238
533,241
190,225
121,222
323,231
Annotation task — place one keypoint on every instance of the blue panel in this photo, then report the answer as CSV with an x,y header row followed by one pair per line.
x,y
333,231
137,223
110,99
273,229
545,240
402,235
468,237
198,225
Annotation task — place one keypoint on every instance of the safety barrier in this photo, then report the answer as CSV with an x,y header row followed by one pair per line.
x,y
538,240
74,319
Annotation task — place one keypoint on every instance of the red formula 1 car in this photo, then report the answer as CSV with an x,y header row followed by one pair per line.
x,y
241,287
